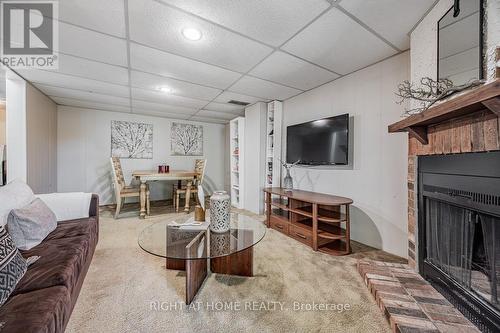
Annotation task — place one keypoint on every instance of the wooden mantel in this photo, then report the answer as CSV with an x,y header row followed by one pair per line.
x,y
485,97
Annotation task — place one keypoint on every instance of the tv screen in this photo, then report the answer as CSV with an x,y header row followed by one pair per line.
x,y
319,142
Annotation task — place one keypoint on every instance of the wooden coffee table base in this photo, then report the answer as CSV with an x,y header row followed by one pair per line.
x,y
240,264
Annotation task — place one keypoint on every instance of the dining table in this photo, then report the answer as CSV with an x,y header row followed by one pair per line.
x,y
148,176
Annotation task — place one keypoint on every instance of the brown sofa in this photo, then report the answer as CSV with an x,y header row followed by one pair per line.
x,y
44,298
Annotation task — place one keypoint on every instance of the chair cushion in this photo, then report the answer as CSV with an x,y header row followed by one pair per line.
x,y
28,226
45,310
60,264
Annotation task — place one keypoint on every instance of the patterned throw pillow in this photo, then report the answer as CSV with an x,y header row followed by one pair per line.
x,y
12,265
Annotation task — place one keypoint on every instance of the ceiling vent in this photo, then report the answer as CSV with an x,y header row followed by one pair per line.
x,y
238,102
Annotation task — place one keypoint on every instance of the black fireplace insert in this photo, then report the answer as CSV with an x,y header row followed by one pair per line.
x,y
459,232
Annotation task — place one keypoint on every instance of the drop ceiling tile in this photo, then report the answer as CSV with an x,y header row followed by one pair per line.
x,y
258,87
91,69
92,45
337,42
181,88
209,120
141,105
227,95
392,19
216,115
160,26
224,107
89,104
161,97
162,114
150,60
283,68
83,95
72,82
105,16
272,22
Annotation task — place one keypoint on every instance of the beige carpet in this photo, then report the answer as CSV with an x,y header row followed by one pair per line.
x,y
129,290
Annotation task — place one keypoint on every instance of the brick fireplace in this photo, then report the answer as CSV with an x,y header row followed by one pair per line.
x,y
441,149
476,132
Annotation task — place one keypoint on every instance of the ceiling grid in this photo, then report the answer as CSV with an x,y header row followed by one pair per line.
x,y
248,51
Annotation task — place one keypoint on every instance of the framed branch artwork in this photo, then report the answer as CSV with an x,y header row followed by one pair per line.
x,y
186,140
131,140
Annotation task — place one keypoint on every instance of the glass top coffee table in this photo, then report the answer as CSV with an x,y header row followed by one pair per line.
x,y
189,247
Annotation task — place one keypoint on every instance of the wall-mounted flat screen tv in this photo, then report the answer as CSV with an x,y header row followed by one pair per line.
x,y
319,142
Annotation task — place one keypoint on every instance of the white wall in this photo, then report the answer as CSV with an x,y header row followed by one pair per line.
x,y
377,178
84,149
41,141
30,135
255,156
423,41
2,125
492,37
16,127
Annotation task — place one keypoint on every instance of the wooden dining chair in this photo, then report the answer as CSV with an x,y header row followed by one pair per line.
x,y
123,191
199,168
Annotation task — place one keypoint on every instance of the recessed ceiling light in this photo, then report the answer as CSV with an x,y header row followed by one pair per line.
x,y
165,89
191,34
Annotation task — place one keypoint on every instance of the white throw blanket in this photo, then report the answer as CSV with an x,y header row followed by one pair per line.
x,y
68,206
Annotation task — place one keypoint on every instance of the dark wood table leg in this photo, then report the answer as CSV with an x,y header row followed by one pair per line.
x,y
268,209
196,269
240,263
348,229
176,264
315,226
196,273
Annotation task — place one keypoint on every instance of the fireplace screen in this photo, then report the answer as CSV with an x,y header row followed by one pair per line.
x,y
465,245
459,232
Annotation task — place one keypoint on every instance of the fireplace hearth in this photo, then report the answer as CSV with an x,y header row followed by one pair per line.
x,y
459,232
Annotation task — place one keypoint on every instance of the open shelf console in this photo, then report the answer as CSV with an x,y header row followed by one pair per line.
x,y
315,219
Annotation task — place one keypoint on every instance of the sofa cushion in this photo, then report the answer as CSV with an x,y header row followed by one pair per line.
x,y
45,310
74,228
15,194
61,263
12,265
29,225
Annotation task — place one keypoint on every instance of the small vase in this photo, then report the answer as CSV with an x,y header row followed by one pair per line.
x,y
219,211
199,214
288,181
